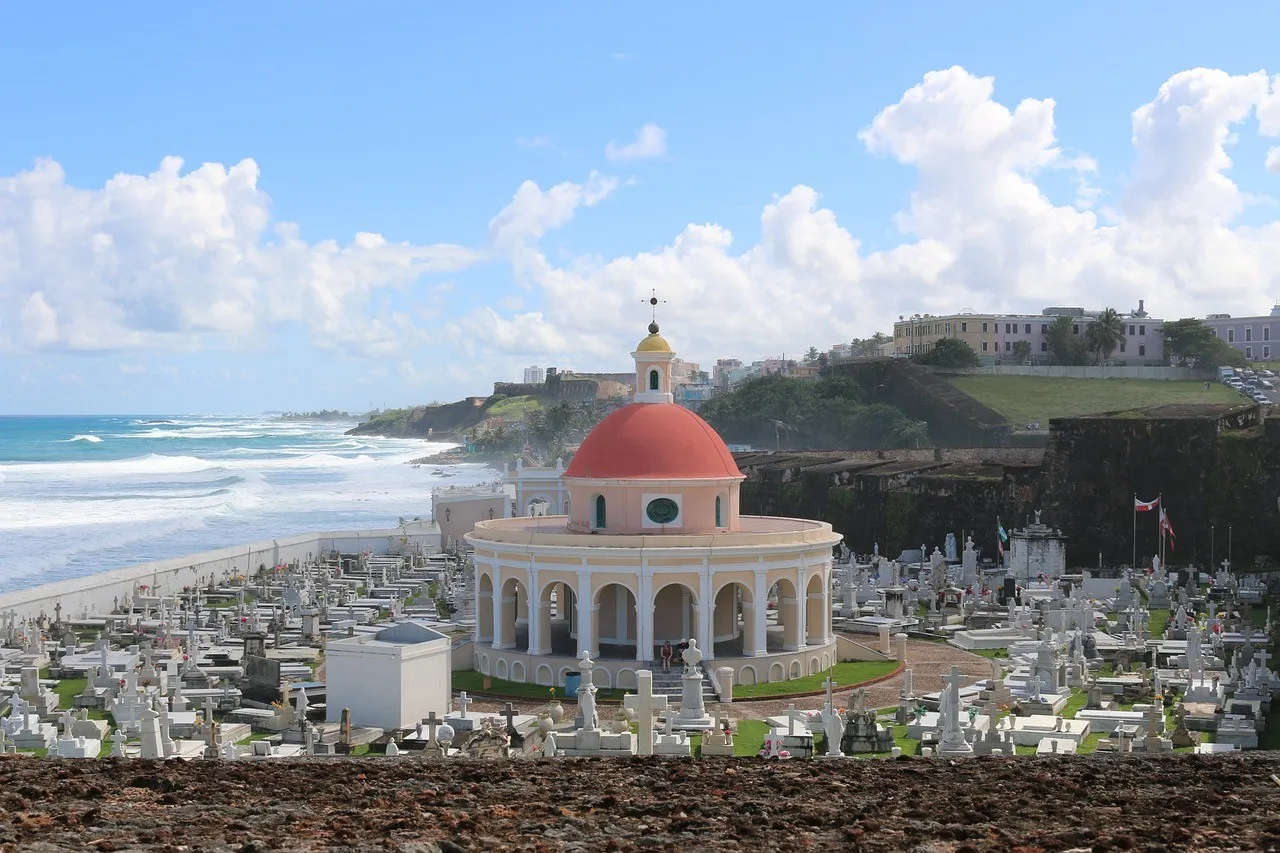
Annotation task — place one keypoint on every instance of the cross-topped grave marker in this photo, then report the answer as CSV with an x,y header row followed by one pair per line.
x,y
645,703
463,701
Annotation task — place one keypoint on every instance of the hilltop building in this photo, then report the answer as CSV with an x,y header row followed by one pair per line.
x,y
1252,336
644,545
993,336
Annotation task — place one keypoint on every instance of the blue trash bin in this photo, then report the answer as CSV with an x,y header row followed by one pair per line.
x,y
572,680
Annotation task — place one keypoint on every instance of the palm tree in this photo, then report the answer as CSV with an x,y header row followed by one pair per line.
x,y
1104,334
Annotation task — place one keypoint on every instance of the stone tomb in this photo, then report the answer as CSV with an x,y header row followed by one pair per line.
x,y
1029,731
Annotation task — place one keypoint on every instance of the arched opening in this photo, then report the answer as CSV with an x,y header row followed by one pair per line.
x,y
558,626
600,515
719,523
653,380
783,631
512,631
484,609
539,506
733,622
616,626
817,610
675,615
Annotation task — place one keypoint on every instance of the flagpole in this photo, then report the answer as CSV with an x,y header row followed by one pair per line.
x,y
1160,528
1134,563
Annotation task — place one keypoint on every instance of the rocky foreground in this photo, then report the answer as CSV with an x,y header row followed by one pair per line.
x,y
1085,803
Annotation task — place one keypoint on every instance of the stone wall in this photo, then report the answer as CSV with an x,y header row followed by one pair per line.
x,y
1214,465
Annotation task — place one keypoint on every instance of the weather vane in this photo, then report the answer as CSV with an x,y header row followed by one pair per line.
x,y
653,303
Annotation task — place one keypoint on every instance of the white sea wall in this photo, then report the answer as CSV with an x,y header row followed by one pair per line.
x,y
99,592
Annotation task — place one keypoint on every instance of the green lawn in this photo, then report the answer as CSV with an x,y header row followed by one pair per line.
x,y
994,654
844,675
1159,621
1026,399
513,407
473,682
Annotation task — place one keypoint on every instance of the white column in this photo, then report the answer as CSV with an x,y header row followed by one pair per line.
x,y
760,605
644,616
802,609
496,639
586,624
535,614
829,634
706,633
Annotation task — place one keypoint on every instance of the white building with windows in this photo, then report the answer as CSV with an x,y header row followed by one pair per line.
x,y
1252,336
647,545
534,375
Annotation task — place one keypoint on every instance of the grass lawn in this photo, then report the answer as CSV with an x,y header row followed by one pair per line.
x,y
1026,399
1159,621
473,682
750,738
994,654
844,675
513,407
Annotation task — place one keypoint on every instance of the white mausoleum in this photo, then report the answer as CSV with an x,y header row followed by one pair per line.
x,y
649,547
390,679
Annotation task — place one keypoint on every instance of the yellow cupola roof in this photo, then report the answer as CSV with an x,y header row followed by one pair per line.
x,y
654,342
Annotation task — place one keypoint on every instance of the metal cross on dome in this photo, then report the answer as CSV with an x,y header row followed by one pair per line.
x,y
653,301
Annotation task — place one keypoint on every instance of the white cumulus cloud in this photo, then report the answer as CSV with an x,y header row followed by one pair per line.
x,y
650,141
978,232
165,259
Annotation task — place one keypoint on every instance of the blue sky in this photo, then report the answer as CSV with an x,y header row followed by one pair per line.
x,y
420,123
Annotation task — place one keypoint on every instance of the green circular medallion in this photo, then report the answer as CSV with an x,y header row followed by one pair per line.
x,y
662,510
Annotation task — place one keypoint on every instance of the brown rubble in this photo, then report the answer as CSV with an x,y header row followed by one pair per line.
x,y
1050,804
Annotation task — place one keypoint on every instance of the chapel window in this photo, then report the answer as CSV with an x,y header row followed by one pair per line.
x,y
653,380
718,522
600,511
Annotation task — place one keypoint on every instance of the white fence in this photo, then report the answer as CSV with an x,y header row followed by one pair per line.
x,y
1117,371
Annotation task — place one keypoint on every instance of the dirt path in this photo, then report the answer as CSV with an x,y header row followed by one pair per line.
x,y
1078,803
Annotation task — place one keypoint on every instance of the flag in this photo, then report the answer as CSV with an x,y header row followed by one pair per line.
x,y
1166,527
1144,506
1001,538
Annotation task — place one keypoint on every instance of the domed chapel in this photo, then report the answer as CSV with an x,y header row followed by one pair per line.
x,y
652,547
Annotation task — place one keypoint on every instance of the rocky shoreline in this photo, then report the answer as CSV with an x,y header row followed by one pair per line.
x,y
407,804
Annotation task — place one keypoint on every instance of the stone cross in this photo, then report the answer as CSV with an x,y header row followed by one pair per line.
x,y
1155,720
644,702
463,701
117,744
431,721
510,714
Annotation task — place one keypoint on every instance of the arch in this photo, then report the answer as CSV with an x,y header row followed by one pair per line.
x,y
777,673
785,636
512,632
796,672
719,522
484,608
655,381
826,661
817,602
501,670
733,620
675,613
537,506
517,672
601,677
747,675
617,621
600,517
626,680
564,670
543,676
484,664
814,667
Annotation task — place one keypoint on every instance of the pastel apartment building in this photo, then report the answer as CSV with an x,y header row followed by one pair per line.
x,y
993,336
1252,336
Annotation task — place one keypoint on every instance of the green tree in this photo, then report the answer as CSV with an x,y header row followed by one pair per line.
x,y
1190,341
811,357
949,352
1064,346
1103,336
1022,351
866,347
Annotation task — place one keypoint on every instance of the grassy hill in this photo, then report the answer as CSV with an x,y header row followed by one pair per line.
x,y
1026,399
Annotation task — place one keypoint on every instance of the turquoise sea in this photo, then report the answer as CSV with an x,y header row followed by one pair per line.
x,y
79,495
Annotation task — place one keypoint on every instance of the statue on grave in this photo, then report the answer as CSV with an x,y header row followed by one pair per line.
x,y
692,657
834,730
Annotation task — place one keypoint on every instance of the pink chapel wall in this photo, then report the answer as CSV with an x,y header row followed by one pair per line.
x,y
625,505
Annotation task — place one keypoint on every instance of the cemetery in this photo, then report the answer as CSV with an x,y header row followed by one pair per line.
x,y
593,612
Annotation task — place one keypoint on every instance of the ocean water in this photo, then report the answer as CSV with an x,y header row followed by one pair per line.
x,y
80,495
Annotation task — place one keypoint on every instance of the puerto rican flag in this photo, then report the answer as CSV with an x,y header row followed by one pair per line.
x,y
1145,506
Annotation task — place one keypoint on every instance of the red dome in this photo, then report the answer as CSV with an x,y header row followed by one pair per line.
x,y
653,441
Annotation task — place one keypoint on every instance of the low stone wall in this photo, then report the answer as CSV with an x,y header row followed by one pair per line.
x,y
99,592
1061,371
